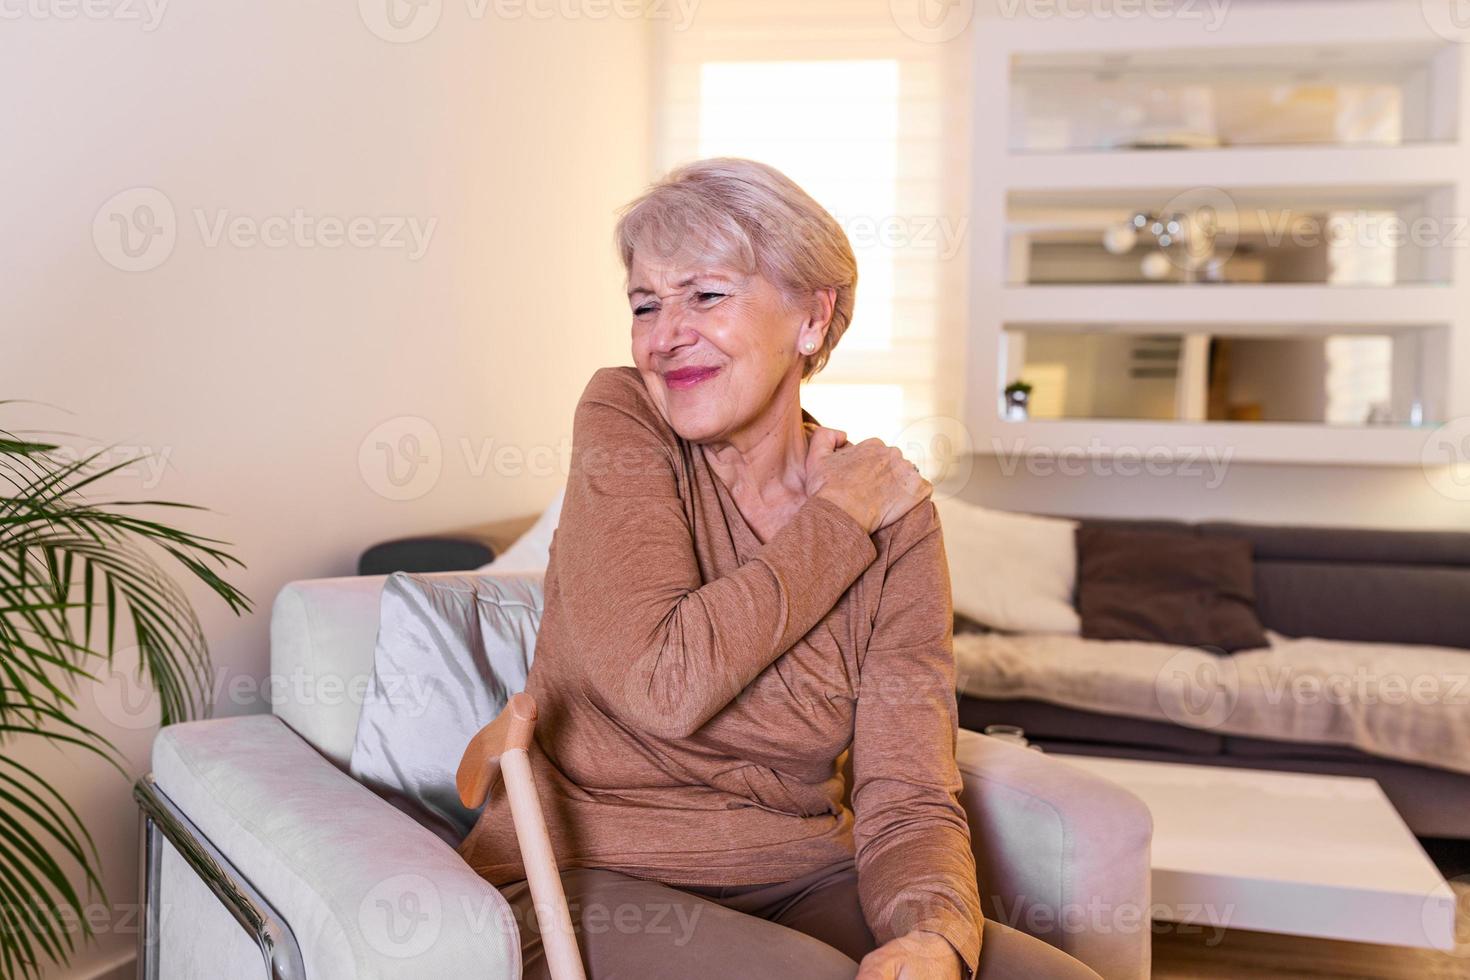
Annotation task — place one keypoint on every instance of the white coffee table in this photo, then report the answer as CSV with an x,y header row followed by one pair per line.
x,y
1293,853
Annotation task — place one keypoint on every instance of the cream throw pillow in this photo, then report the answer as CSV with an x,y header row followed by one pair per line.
x,y
1012,572
531,552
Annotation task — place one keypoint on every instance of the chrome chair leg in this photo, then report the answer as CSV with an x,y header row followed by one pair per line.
x,y
149,865
164,821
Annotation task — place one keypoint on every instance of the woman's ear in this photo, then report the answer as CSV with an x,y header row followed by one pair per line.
x,y
826,303
814,330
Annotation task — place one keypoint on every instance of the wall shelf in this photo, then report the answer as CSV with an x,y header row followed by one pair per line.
x,y
1037,209
1374,168
1225,442
1334,308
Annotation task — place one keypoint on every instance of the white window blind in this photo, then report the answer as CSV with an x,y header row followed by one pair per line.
x,y
873,124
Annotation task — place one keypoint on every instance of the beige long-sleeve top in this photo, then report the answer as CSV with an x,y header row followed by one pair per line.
x,y
697,687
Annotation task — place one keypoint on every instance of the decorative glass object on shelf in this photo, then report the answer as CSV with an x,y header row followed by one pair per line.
x,y
1211,235
1130,373
1188,99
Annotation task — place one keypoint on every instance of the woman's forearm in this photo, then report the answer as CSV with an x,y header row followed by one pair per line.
x,y
666,649
915,866
671,670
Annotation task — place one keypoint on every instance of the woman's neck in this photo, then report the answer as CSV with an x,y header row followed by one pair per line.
x,y
764,463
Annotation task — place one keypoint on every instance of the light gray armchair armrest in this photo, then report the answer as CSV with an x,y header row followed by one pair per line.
x,y
1061,854
360,888
323,632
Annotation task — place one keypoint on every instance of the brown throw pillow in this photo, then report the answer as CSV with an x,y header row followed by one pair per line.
x,y
1165,587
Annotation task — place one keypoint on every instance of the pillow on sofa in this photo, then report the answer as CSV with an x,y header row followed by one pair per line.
x,y
1166,587
452,649
531,552
1012,572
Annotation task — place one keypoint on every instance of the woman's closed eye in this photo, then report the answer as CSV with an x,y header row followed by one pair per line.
x,y
707,297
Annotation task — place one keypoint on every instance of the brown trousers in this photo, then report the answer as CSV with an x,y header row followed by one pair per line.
x,y
810,928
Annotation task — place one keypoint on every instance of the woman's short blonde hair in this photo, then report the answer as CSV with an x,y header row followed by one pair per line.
x,y
750,217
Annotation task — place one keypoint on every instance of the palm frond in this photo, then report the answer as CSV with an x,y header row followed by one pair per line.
x,y
64,558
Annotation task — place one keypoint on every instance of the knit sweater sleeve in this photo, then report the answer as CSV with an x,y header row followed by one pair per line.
x,y
665,650
916,870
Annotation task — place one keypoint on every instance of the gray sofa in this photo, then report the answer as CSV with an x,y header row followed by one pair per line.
x,y
1361,585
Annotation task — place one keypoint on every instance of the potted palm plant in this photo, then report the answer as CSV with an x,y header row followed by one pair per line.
x,y
74,574
1018,399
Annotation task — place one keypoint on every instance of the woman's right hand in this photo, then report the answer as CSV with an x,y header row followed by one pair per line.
x,y
870,480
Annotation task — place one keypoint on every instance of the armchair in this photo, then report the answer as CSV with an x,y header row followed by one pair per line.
x,y
263,858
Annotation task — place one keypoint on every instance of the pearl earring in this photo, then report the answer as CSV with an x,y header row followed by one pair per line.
x,y
809,346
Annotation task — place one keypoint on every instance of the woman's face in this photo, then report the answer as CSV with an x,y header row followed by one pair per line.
x,y
714,345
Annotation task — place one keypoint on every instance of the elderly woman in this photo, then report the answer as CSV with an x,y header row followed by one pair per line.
x,y
736,599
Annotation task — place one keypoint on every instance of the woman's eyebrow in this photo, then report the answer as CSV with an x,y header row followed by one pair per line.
x,y
684,283
709,277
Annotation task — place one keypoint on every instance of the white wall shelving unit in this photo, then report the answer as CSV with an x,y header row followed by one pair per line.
x,y
1292,31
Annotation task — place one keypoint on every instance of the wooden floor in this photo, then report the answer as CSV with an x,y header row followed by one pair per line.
x,y
1229,954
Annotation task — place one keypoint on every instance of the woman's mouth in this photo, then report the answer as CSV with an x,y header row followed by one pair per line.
x,y
688,377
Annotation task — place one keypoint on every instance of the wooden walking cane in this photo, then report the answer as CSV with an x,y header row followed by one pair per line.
x,y
501,748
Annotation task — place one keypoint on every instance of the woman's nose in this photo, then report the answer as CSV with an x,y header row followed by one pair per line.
x,y
673,329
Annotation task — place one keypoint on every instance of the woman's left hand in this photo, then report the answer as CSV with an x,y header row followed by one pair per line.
x,y
912,956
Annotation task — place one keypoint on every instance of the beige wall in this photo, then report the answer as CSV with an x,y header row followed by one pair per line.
x,y
258,373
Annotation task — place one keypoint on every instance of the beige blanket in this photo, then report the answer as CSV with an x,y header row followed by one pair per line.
x,y
1410,703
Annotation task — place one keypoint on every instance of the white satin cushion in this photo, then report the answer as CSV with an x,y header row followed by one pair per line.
x,y
1012,572
451,650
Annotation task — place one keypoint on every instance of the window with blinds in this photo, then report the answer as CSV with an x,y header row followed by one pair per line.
x,y
873,124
